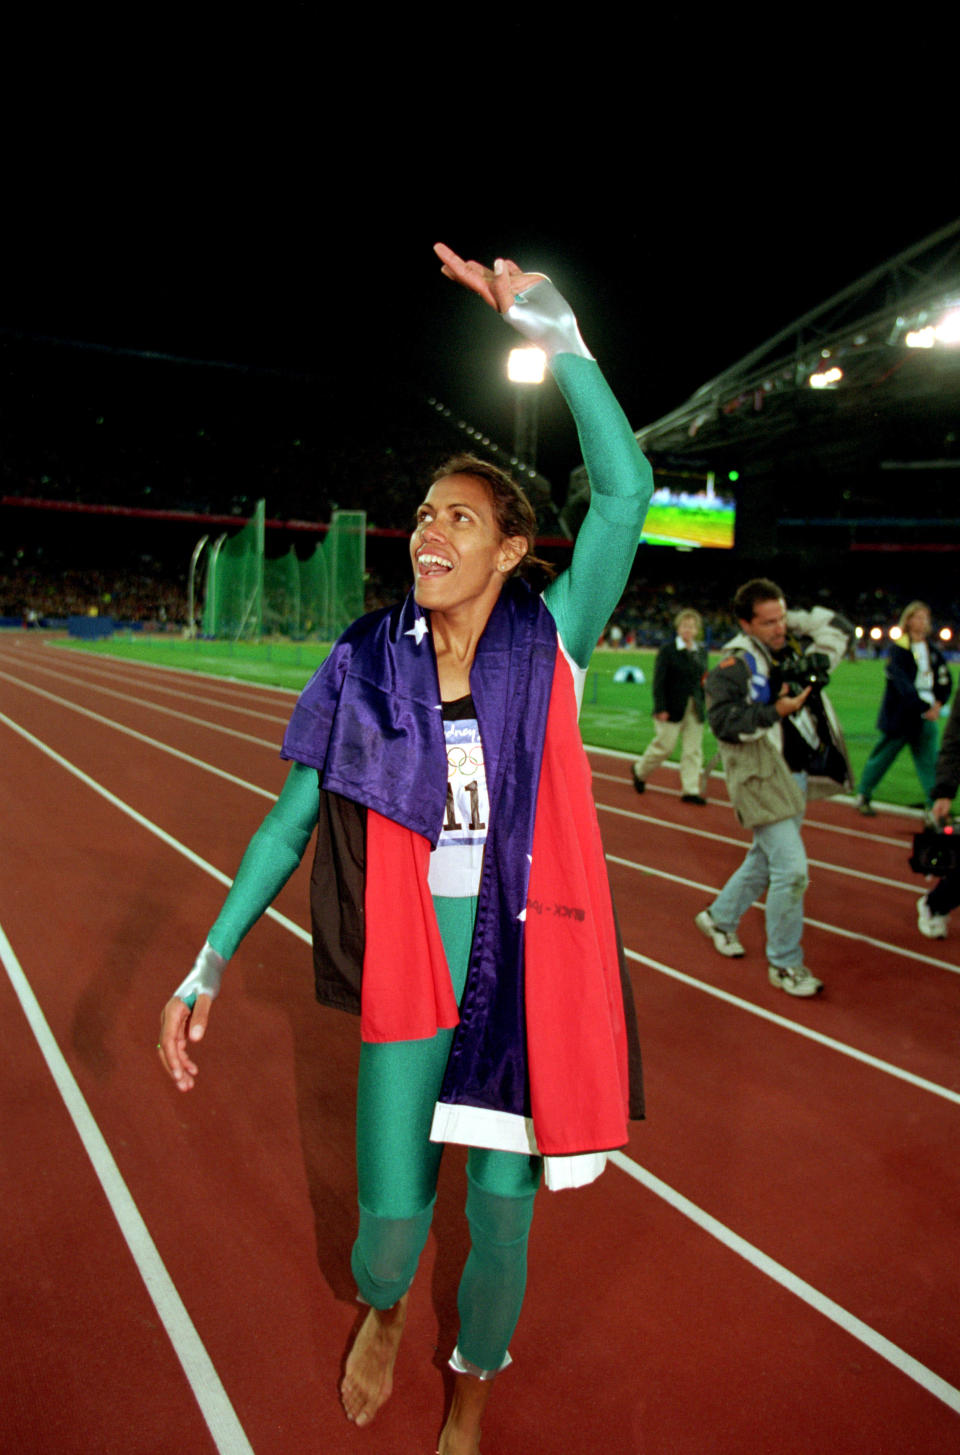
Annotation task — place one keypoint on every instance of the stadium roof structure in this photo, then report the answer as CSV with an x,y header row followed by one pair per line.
x,y
866,384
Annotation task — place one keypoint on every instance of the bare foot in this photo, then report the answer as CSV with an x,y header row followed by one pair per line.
x,y
461,1433
368,1378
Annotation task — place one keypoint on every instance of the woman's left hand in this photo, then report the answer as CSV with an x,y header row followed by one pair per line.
x,y
497,286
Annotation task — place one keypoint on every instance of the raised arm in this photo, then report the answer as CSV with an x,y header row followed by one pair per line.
x,y
270,858
621,480
621,484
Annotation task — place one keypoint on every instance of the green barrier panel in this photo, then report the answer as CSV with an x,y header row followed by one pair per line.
x,y
247,596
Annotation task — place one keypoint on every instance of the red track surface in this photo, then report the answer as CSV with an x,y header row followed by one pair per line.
x,y
643,1332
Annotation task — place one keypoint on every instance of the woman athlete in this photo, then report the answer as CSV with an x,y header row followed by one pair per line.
x,y
437,749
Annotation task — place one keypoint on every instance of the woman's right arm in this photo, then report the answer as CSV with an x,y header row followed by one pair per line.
x,y
271,857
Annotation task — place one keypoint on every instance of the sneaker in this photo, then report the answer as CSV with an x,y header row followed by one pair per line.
x,y
794,979
692,798
934,926
724,942
865,807
638,782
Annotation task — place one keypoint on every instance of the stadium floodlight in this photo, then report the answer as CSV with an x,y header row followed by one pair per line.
x,y
896,632
946,634
526,366
826,378
876,633
858,633
948,329
921,338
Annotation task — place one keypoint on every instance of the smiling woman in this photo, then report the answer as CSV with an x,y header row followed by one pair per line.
x,y
460,561
457,535
460,900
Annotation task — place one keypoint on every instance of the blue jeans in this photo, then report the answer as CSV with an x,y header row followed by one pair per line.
x,y
776,861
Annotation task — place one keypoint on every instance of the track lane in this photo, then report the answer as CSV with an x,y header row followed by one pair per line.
x,y
263,1189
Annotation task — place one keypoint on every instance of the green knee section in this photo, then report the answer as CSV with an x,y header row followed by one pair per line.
x,y
500,1220
386,1253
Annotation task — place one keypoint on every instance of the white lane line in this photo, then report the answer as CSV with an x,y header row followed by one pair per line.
x,y
236,685
819,924
910,1366
810,822
141,737
139,680
272,743
681,828
146,823
305,936
221,1419
920,1082
890,1352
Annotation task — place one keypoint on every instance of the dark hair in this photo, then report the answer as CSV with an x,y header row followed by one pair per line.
x,y
512,510
751,593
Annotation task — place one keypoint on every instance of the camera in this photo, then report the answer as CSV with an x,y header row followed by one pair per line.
x,y
936,851
800,670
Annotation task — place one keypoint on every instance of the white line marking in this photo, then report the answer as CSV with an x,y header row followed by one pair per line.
x,y
918,955
661,874
146,823
188,672
797,1029
156,707
221,1419
791,1282
850,1324
141,737
819,924
187,689
809,822
682,828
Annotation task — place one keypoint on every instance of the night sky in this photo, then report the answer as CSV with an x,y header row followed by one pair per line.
x,y
294,253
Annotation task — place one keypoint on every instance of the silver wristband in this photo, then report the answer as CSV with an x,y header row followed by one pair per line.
x,y
545,317
204,978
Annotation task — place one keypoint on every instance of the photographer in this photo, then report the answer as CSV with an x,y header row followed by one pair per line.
x,y
934,908
779,741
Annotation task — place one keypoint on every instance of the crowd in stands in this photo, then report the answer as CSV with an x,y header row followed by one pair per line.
x,y
81,428
155,596
149,599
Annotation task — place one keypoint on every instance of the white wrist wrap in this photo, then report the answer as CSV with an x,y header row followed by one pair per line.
x,y
204,978
459,1365
545,317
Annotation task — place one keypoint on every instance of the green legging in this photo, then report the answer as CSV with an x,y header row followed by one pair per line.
x,y
924,750
397,1167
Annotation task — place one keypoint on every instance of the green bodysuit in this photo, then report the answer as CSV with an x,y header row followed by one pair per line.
x,y
399,1082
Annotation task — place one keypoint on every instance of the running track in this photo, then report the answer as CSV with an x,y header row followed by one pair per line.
x,y
772,1266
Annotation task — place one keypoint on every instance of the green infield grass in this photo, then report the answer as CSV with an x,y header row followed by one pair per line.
x,y
614,715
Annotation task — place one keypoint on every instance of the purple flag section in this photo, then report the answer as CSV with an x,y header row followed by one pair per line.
x,y
370,722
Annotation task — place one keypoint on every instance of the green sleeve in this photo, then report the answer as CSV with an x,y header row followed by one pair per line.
x,y
582,599
271,857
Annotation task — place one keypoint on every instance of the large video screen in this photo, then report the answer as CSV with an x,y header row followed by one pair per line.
x,y
690,512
